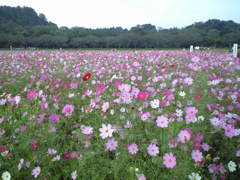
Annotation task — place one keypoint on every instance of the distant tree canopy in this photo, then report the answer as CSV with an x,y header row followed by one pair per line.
x,y
23,27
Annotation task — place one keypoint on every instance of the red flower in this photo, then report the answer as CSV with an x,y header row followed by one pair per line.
x,y
34,145
198,96
3,148
86,76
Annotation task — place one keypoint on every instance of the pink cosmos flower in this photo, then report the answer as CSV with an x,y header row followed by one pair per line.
x,y
142,95
162,121
196,145
124,88
51,151
190,119
229,131
54,118
191,111
74,175
195,59
23,128
215,121
172,142
238,153
169,160
106,131
126,97
68,110
1,120
87,92
198,136
111,144
32,94
36,171
100,89
184,136
117,83
214,168
87,130
153,150
128,125
197,156
16,100
74,85
205,147
133,148
188,81
86,143
105,106
141,177
40,119
28,164
230,107
73,155
145,116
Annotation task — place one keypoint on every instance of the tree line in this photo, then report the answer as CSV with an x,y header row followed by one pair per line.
x,y
23,27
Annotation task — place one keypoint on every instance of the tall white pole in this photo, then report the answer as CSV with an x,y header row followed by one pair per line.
x,y
191,48
235,50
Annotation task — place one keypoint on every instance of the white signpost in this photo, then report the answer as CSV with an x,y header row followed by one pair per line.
x,y
197,47
235,49
191,48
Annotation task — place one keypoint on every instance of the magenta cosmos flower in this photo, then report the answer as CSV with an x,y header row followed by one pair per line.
x,y
142,95
32,94
153,150
111,144
133,148
169,160
68,110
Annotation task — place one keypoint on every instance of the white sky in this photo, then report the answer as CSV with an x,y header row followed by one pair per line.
x,y
128,13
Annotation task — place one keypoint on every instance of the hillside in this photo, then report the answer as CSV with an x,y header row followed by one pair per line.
x,y
23,27
24,16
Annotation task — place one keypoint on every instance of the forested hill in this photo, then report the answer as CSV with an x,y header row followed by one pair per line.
x,y
24,16
23,27
222,27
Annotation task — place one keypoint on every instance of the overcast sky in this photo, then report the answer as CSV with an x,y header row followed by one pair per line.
x,y
128,13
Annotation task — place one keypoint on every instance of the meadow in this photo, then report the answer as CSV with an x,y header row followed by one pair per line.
x,y
111,115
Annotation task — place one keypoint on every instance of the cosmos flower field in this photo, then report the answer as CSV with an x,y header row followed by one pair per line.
x,y
109,115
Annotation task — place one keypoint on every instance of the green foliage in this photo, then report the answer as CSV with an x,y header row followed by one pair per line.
x,y
23,27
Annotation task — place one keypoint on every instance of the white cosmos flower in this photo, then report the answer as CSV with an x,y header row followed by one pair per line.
x,y
155,103
194,176
17,99
232,166
182,94
200,118
6,175
106,131
71,95
179,112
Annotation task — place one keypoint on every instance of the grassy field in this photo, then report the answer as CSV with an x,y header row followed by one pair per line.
x,y
109,115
